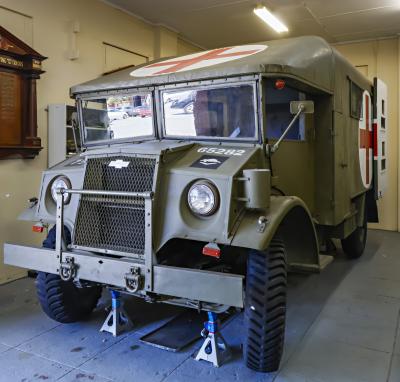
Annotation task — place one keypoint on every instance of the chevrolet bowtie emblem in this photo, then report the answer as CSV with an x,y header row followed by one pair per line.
x,y
118,163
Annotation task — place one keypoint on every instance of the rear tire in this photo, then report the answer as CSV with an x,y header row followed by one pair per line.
x,y
62,300
354,244
265,307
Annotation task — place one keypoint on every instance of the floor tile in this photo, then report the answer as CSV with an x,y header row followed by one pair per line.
x,y
395,369
77,375
367,321
23,323
20,366
397,344
360,332
4,348
72,344
331,361
357,285
18,293
130,360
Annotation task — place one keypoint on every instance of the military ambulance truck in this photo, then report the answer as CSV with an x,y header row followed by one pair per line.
x,y
243,163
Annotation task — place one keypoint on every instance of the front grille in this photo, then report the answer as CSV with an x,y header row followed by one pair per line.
x,y
114,223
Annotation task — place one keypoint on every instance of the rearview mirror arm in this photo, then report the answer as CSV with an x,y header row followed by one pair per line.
x,y
275,147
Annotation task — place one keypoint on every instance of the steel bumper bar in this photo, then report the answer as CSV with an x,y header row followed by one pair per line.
x,y
213,287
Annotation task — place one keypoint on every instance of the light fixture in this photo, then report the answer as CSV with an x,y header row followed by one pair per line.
x,y
265,15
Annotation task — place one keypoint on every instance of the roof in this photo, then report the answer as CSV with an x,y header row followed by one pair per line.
x,y
309,58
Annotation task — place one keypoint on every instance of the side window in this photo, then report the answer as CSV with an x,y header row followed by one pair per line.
x,y
355,101
278,114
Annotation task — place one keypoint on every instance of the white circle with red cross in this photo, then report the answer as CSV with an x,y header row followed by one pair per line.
x,y
365,140
198,60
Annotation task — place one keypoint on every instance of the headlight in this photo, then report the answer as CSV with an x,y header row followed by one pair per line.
x,y
60,182
203,198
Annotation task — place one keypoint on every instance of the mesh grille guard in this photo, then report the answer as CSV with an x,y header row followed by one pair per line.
x,y
114,224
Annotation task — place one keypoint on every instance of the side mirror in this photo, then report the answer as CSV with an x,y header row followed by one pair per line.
x,y
306,107
297,108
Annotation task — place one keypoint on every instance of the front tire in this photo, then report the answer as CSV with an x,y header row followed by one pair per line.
x,y
61,300
265,307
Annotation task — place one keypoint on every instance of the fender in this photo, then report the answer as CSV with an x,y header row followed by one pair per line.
x,y
291,216
29,214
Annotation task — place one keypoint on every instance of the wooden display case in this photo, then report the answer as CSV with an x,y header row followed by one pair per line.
x,y
20,67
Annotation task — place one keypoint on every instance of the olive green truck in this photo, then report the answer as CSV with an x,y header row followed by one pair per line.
x,y
202,180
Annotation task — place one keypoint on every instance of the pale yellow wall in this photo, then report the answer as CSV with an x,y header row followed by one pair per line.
x,y
166,42
185,47
47,25
380,58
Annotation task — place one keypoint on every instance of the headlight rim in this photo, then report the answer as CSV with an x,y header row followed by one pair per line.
x,y
67,197
213,188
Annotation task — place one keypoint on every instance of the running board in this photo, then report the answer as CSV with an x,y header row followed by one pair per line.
x,y
324,261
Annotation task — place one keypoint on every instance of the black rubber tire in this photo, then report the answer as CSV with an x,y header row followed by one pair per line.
x,y
265,307
63,301
354,244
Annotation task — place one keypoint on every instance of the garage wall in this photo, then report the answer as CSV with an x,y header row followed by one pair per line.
x,y
381,58
47,26
185,47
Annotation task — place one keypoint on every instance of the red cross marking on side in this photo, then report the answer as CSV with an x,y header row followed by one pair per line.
x,y
366,138
175,65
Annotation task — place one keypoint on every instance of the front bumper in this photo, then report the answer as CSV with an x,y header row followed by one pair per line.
x,y
191,284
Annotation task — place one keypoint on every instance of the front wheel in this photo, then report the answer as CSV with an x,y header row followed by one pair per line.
x,y
265,307
63,301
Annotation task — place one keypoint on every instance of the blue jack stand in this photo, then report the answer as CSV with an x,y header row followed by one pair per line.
x,y
117,320
214,348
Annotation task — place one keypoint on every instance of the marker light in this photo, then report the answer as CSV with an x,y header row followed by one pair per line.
x,y
279,84
265,15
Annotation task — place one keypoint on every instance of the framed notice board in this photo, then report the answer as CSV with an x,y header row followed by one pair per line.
x,y
20,68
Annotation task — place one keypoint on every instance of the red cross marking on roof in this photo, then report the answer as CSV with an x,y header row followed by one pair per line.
x,y
175,65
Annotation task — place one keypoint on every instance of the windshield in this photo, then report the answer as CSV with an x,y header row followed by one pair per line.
x,y
117,117
222,112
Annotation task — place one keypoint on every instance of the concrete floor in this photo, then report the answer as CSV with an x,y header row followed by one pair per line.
x,y
343,325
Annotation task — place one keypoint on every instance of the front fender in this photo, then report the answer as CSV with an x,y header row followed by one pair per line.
x,y
29,214
290,215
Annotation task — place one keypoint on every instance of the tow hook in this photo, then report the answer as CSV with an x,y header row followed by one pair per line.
x,y
262,224
133,280
68,269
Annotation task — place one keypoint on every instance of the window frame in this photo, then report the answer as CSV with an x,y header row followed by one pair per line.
x,y
352,115
302,118
199,85
98,95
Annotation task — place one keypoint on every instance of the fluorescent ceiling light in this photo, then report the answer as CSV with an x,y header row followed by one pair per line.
x,y
265,15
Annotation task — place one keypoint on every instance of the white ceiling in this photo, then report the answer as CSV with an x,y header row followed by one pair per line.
x,y
214,23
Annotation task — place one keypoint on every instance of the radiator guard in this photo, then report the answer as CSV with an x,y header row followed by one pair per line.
x,y
116,224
